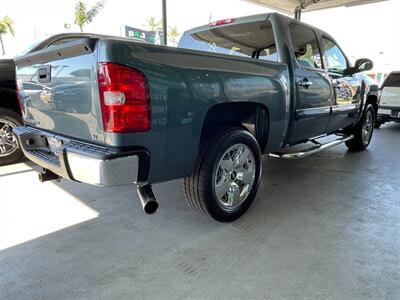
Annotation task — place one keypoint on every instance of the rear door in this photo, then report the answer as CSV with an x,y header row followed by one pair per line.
x,y
313,87
346,88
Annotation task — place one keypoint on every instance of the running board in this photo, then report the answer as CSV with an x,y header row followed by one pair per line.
x,y
320,147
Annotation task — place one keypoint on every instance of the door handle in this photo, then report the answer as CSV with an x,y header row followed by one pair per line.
x,y
304,83
44,74
338,85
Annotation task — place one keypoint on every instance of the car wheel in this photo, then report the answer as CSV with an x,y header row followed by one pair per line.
x,y
9,148
226,176
363,131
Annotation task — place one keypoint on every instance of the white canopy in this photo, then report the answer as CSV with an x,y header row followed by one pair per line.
x,y
289,6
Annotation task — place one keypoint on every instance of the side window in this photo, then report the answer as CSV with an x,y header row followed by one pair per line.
x,y
335,60
305,46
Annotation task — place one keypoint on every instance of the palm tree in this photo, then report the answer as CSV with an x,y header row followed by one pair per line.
x,y
173,34
6,26
83,15
153,24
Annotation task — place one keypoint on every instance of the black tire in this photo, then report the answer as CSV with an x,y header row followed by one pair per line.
x,y
199,188
360,141
13,120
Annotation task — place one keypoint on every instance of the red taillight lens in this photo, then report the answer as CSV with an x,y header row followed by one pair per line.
x,y
124,97
222,22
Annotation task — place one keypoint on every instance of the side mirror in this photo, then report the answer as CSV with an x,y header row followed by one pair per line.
x,y
361,65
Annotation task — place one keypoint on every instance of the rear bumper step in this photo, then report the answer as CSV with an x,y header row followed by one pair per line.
x,y
78,161
312,150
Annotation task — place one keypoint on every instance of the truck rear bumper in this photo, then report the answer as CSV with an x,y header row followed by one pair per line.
x,y
386,114
79,161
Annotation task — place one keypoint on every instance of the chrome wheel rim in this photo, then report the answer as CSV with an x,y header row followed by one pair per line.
x,y
8,141
367,127
234,176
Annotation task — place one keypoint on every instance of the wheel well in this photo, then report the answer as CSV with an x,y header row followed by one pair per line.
x,y
9,100
254,117
372,99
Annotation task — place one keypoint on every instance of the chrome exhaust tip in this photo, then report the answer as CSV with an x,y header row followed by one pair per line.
x,y
147,199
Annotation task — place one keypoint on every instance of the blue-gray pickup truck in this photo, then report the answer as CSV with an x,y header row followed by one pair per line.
x,y
112,111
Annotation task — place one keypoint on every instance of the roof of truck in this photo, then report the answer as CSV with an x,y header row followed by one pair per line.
x,y
253,18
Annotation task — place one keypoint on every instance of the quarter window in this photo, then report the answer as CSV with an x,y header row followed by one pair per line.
x,y
305,45
335,60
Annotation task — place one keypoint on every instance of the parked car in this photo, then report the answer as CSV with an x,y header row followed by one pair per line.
x,y
206,111
389,105
10,113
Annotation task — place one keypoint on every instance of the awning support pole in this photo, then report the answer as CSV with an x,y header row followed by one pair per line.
x,y
164,22
297,13
303,5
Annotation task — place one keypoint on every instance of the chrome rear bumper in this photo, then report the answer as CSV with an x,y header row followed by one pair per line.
x,y
78,161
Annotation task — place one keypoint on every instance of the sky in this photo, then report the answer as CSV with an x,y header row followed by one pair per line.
x,y
371,31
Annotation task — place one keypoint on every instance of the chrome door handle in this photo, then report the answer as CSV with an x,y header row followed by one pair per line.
x,y
338,85
304,83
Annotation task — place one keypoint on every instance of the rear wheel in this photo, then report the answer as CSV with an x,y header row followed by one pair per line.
x,y
363,131
9,148
226,177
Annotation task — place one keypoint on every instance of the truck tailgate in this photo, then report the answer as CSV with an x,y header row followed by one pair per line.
x,y
58,90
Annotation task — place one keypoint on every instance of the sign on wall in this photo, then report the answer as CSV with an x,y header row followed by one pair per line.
x,y
152,37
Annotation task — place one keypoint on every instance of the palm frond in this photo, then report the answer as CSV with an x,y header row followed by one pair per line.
x,y
94,11
6,26
80,13
153,24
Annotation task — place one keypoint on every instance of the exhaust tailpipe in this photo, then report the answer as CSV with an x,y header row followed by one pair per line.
x,y
47,175
147,199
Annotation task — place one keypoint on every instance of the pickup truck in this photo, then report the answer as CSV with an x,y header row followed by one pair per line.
x,y
10,114
112,111
389,103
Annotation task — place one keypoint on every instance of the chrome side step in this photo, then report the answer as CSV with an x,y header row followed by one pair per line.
x,y
318,148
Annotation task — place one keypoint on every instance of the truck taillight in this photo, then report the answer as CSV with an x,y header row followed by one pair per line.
x,y
222,22
124,98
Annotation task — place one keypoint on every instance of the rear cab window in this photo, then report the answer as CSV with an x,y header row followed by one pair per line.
x,y
252,40
393,80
